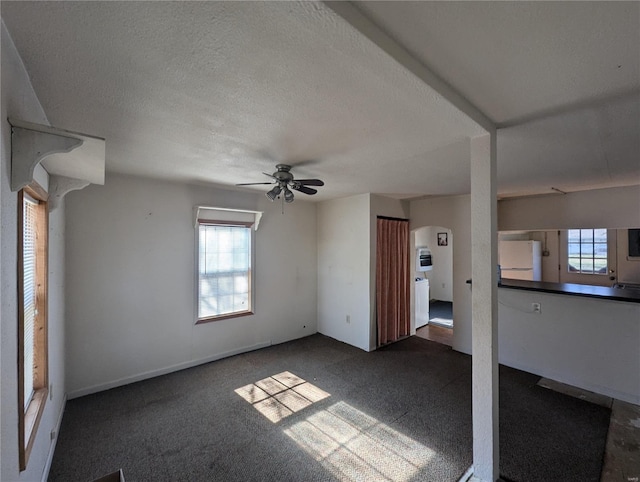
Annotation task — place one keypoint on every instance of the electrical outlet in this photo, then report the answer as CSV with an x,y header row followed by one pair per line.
x,y
536,308
53,435
348,318
51,392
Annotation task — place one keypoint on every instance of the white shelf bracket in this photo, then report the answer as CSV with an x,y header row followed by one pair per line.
x,y
29,147
59,186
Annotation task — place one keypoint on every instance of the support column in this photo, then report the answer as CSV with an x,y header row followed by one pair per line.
x,y
484,307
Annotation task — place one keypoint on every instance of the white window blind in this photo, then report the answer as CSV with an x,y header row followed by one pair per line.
x,y
29,270
224,269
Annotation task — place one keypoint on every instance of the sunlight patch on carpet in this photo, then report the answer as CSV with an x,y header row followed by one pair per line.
x,y
355,446
278,396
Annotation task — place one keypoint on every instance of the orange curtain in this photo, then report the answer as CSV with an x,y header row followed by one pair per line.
x,y
392,279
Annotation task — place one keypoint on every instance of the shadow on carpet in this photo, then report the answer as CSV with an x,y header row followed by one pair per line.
x,y
548,436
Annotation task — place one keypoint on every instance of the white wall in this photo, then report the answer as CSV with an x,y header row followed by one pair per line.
x,y
394,208
441,276
588,343
347,266
344,264
599,208
131,280
20,102
454,213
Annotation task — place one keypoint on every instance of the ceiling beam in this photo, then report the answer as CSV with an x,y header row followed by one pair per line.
x,y
352,15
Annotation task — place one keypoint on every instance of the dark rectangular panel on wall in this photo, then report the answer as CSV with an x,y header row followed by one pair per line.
x,y
634,243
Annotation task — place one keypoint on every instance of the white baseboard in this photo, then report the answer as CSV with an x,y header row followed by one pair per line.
x,y
467,476
163,371
52,446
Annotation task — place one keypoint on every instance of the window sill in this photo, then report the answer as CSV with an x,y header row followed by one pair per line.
x,y
224,317
32,417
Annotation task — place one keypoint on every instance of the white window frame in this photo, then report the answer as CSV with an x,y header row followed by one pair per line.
x,y
204,215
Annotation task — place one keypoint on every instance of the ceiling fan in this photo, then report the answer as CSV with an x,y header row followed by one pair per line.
x,y
284,183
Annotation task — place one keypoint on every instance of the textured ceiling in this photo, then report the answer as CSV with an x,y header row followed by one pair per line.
x,y
218,92
584,148
516,60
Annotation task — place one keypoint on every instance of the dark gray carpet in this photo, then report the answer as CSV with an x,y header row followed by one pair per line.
x,y
547,436
400,413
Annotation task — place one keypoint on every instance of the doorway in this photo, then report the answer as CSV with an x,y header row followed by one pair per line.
x,y
434,284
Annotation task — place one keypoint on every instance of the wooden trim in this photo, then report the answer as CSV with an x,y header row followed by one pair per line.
x,y
22,458
36,191
236,314
29,419
250,275
209,222
41,365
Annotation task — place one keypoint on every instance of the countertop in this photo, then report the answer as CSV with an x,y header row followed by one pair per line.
x,y
602,292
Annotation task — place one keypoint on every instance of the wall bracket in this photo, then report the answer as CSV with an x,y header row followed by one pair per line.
x,y
30,147
59,186
72,160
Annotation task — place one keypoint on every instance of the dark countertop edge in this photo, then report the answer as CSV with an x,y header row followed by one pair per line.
x,y
572,289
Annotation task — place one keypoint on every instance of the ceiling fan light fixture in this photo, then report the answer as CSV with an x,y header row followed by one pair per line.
x,y
288,196
285,184
274,193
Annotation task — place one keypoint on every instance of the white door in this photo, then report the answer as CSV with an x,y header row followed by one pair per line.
x,y
568,275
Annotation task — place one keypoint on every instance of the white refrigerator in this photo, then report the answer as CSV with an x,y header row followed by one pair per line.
x,y
520,260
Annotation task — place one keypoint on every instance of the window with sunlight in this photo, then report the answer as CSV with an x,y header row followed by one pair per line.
x,y
587,251
32,316
224,270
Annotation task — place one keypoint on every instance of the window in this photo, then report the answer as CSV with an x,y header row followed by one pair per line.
x,y
32,315
224,270
587,250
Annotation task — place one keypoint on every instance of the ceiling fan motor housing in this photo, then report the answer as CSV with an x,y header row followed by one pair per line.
x,y
282,174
